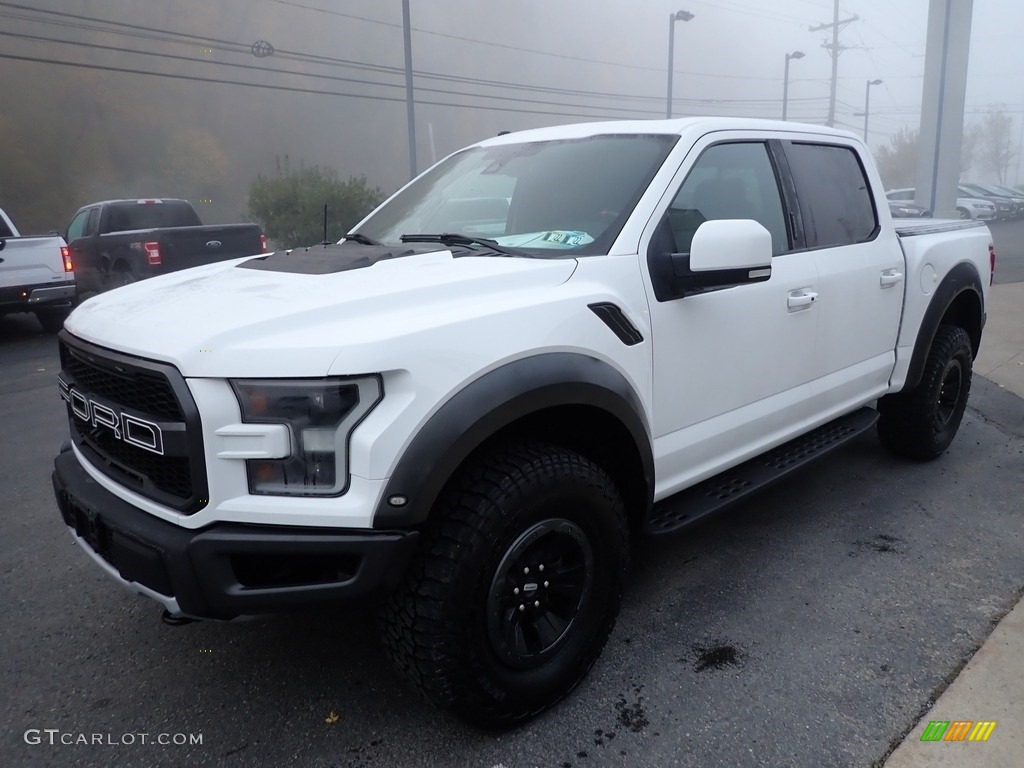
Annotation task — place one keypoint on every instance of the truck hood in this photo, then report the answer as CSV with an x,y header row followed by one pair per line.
x,y
225,319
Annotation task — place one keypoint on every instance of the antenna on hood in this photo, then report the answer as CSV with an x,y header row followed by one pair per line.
x,y
326,242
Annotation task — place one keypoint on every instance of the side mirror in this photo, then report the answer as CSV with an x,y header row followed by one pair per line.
x,y
724,253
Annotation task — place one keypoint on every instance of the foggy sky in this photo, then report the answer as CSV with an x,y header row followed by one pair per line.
x,y
728,61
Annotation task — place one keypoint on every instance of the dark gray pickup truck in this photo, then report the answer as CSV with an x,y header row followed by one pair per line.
x,y
117,242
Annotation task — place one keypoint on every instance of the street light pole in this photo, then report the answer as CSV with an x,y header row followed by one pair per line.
x,y
410,110
785,80
672,19
867,103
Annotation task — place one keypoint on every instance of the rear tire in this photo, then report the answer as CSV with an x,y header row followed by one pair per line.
x,y
920,424
119,277
52,319
516,586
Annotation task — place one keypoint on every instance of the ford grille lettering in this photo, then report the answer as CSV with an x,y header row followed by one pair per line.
x,y
131,429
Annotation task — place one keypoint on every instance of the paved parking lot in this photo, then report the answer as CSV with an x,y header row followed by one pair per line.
x,y
810,626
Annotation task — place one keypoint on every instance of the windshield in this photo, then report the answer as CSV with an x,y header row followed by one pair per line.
x,y
546,198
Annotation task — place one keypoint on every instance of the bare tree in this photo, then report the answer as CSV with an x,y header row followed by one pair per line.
x,y
995,142
969,148
897,161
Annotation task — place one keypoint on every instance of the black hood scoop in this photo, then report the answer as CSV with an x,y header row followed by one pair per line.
x,y
328,259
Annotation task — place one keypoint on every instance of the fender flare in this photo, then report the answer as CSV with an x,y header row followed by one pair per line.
x,y
962,278
493,402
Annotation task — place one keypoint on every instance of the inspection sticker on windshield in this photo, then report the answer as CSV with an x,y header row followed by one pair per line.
x,y
568,239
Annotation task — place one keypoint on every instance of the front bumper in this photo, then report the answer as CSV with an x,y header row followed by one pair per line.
x,y
225,570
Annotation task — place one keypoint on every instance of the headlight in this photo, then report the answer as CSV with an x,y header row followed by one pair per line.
x,y
320,415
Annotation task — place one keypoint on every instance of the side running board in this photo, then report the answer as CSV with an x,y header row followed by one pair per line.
x,y
733,485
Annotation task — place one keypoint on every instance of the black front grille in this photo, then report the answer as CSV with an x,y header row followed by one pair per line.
x,y
139,390
136,388
134,467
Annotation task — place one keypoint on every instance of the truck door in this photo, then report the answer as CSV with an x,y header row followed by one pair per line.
x,y
860,271
731,366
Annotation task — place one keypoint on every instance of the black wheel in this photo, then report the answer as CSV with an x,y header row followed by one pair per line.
x,y
52,319
515,588
119,277
964,213
921,424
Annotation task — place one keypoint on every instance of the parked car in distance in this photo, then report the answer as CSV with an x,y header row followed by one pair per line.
x,y
902,210
1014,194
117,242
1006,208
967,207
36,275
1011,194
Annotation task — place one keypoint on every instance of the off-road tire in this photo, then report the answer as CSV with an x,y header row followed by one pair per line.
x,y
456,627
920,424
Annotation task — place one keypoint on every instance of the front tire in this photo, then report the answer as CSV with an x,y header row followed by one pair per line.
x,y
964,213
921,424
516,586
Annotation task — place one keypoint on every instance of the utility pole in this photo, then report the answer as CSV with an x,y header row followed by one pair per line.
x,y
834,49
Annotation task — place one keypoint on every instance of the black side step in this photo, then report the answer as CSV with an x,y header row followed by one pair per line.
x,y
733,485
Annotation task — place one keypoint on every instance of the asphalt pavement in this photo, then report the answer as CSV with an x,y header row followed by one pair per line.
x,y
824,623
978,721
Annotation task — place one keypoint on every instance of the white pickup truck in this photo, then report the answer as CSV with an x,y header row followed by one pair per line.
x,y
36,275
545,345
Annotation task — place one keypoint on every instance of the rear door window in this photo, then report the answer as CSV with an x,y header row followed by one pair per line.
x,y
91,222
835,197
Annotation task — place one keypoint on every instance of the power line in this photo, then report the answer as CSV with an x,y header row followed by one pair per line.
x,y
295,89
236,47
314,75
492,97
491,44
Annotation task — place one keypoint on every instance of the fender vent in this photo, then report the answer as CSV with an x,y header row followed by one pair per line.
x,y
616,319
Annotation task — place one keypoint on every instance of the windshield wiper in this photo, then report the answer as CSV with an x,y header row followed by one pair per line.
x,y
362,239
454,238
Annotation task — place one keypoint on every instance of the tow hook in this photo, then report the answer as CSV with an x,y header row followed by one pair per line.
x,y
175,621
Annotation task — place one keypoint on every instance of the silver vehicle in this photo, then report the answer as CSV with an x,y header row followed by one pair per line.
x,y
1006,207
967,207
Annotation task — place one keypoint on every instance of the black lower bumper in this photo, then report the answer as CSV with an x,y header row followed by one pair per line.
x,y
28,298
228,569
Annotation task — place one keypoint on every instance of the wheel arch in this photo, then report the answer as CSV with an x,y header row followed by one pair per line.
x,y
567,399
957,301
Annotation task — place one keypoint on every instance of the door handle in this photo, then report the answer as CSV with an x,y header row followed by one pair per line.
x,y
889,278
801,299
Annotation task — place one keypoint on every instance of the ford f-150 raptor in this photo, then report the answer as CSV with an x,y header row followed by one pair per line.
x,y
546,344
